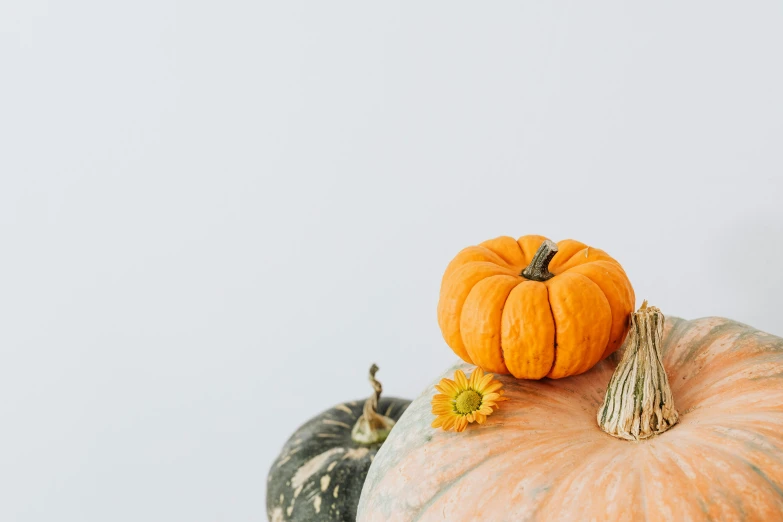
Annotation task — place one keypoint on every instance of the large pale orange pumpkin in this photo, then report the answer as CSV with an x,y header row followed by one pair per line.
x,y
542,456
533,308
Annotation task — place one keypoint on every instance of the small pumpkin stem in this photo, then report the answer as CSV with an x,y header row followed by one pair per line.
x,y
372,427
639,402
538,269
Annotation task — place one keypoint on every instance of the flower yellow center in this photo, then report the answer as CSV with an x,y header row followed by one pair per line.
x,y
468,401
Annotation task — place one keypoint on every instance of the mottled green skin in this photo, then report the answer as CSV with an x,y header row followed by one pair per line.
x,y
320,472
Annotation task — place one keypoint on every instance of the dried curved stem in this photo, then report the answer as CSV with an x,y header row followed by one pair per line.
x,y
538,269
372,427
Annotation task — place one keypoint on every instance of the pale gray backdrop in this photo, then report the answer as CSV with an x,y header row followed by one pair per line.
x,y
216,215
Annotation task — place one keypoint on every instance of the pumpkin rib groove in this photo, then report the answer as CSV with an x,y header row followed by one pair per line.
x,y
719,363
528,244
591,255
527,331
715,334
744,463
716,328
485,270
718,379
478,330
473,254
563,490
759,448
500,338
674,329
565,246
642,485
673,458
554,346
558,466
580,310
500,326
506,256
425,508
554,453
619,297
758,438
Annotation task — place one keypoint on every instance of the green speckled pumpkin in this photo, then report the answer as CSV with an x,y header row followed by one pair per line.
x,y
320,472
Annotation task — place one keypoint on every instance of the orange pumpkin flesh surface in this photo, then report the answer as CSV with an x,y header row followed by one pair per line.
x,y
543,457
493,316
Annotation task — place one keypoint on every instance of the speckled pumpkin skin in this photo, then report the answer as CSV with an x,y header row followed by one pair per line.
x,y
541,456
319,474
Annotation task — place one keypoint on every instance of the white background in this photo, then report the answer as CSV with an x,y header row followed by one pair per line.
x,y
216,215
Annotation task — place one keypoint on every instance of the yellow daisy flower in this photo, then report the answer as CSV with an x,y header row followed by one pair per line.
x,y
464,400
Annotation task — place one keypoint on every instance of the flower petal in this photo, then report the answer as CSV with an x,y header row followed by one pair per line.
x,y
480,418
485,410
475,378
490,396
492,387
449,422
447,386
485,381
461,380
462,423
470,417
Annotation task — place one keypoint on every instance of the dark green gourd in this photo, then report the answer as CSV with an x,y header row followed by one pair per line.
x,y
319,474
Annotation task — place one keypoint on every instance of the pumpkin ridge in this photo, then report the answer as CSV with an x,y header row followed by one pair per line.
x,y
715,334
564,484
500,327
427,505
675,330
589,255
620,306
490,243
757,439
763,475
683,346
763,341
487,358
527,331
721,364
529,244
448,287
642,485
705,385
474,254
560,442
556,264
580,310
674,460
742,460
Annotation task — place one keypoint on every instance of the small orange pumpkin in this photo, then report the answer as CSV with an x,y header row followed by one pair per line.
x,y
533,308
